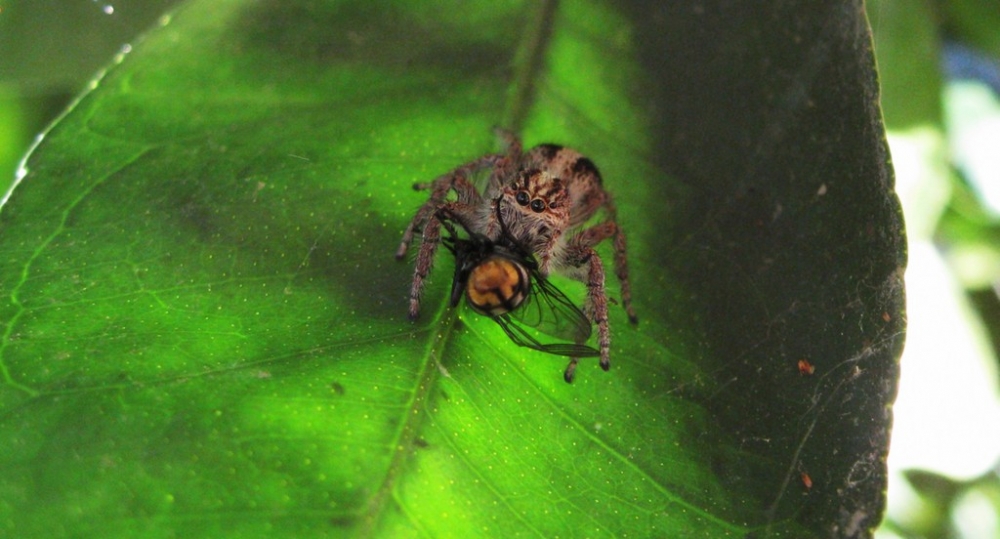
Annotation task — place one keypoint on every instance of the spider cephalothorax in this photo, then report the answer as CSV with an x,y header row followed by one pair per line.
x,y
536,209
540,200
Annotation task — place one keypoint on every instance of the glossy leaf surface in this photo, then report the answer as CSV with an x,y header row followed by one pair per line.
x,y
204,329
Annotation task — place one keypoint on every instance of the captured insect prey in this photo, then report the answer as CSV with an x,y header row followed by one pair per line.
x,y
503,283
532,208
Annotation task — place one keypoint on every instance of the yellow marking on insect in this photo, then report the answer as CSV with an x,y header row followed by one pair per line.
x,y
497,286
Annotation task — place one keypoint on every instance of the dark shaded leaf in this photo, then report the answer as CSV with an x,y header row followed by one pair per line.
x,y
205,331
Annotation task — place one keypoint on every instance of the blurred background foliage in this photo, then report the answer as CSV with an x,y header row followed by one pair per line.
x,y
939,64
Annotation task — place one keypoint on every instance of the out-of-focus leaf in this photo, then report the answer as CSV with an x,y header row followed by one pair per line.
x,y
908,47
53,45
11,136
948,391
972,21
49,49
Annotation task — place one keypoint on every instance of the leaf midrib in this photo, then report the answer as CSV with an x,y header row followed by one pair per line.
x,y
404,440
529,63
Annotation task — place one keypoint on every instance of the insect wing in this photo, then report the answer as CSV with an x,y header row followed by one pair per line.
x,y
523,337
549,311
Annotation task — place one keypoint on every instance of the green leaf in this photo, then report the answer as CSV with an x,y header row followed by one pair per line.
x,y
204,327
12,132
51,47
48,52
909,51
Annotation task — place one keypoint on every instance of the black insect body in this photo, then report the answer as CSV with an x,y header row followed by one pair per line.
x,y
502,281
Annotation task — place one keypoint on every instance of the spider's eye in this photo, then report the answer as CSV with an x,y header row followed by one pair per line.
x,y
538,205
522,198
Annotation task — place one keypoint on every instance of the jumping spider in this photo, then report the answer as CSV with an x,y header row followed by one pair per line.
x,y
544,197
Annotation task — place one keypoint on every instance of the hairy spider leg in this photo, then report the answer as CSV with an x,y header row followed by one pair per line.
x,y
621,262
596,308
581,254
425,258
430,238
457,180
511,143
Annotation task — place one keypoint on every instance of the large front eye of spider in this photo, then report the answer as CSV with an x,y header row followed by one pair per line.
x,y
538,205
522,198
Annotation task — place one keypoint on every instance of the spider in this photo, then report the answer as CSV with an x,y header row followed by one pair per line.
x,y
502,282
544,197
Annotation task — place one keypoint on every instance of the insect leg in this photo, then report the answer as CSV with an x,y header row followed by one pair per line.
x,y
570,371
